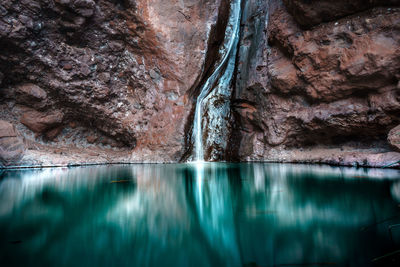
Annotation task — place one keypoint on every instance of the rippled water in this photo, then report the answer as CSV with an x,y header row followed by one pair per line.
x,y
214,214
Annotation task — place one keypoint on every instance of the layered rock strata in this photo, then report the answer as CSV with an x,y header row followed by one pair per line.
x,y
326,89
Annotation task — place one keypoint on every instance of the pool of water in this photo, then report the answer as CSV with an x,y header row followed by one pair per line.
x,y
215,214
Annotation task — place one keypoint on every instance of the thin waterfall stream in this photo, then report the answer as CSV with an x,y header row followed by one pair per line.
x,y
213,103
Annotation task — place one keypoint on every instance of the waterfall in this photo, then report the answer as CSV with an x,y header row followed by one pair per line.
x,y
213,101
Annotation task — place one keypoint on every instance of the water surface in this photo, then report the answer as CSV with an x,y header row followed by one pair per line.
x,y
215,214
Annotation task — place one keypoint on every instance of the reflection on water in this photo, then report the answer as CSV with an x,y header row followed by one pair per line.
x,y
213,214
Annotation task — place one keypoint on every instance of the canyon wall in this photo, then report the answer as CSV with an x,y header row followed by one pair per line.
x,y
101,81
320,83
87,81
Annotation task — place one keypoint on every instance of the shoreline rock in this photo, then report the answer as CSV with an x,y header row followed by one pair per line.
x,y
12,147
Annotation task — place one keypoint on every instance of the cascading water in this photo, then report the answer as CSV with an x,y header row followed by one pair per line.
x,y
214,97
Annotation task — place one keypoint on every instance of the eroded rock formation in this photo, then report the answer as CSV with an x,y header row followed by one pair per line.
x,y
116,73
332,90
88,81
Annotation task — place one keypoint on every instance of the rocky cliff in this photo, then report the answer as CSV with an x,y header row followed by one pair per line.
x,y
103,81
97,81
321,83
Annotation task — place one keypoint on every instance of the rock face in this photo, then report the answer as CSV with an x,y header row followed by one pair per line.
x,y
394,137
121,70
314,12
116,81
331,88
12,147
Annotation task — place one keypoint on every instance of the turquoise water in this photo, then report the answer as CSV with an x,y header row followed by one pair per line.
x,y
214,214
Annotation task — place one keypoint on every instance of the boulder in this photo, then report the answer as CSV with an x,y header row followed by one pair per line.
x,y
90,56
394,137
31,95
12,146
40,122
91,139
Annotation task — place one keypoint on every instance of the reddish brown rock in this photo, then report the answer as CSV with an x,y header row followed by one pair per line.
x,y
91,139
53,133
394,137
72,124
331,88
67,66
126,69
31,95
12,147
310,13
320,76
337,60
40,122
